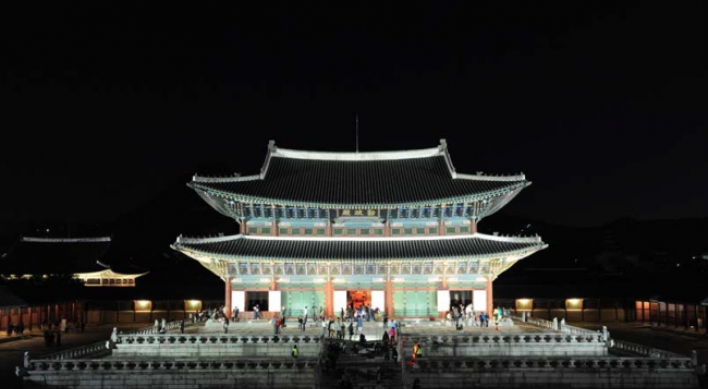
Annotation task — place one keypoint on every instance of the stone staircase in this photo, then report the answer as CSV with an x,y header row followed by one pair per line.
x,y
344,364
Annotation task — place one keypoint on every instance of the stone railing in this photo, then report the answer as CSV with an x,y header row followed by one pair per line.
x,y
644,351
93,349
166,339
530,338
559,326
543,323
169,326
92,365
681,363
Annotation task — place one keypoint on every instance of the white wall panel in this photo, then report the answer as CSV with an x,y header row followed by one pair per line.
x,y
238,299
378,300
479,300
443,300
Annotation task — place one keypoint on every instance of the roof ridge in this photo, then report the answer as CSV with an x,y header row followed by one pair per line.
x,y
65,240
356,157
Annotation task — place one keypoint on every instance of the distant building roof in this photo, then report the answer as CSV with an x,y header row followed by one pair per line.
x,y
239,246
34,255
367,178
59,256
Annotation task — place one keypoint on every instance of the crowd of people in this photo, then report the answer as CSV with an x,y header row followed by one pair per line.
x,y
462,316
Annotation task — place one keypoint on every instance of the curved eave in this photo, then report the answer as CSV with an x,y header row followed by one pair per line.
x,y
201,255
236,197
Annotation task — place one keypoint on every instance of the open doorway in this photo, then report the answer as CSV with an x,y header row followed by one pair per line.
x,y
257,298
460,297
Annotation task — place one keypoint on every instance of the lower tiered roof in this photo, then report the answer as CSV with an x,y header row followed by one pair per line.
x,y
262,247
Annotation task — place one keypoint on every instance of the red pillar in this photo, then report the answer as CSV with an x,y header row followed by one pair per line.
x,y
388,295
329,298
227,304
490,297
473,226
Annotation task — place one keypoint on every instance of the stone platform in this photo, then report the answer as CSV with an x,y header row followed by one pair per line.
x,y
251,355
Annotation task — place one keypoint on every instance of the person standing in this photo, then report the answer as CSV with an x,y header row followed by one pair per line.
x,y
351,330
275,322
359,324
294,352
304,319
226,325
181,326
282,317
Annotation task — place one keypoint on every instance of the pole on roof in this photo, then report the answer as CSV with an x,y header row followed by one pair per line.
x,y
357,132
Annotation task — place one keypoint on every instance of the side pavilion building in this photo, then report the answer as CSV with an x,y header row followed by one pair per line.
x,y
395,230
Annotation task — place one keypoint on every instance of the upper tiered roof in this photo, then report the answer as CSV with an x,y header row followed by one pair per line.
x,y
348,179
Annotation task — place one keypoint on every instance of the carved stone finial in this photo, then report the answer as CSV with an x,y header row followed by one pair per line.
x,y
114,335
26,359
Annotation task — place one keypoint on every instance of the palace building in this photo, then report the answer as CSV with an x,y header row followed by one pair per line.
x,y
78,258
395,230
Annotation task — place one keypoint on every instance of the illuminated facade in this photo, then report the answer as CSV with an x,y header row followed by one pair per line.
x,y
396,230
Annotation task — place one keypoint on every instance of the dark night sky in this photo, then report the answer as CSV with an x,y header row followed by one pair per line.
x,y
604,109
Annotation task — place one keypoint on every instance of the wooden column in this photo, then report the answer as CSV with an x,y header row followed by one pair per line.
x,y
473,226
227,297
274,229
490,296
329,227
329,298
388,295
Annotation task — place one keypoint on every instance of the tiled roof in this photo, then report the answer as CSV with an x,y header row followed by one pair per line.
x,y
402,177
357,248
55,256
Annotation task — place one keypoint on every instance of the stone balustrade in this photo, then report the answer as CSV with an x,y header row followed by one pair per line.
x,y
638,349
680,363
579,372
154,330
211,339
530,338
44,365
529,344
172,374
211,346
92,350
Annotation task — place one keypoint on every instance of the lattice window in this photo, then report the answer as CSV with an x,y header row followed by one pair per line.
x,y
432,230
